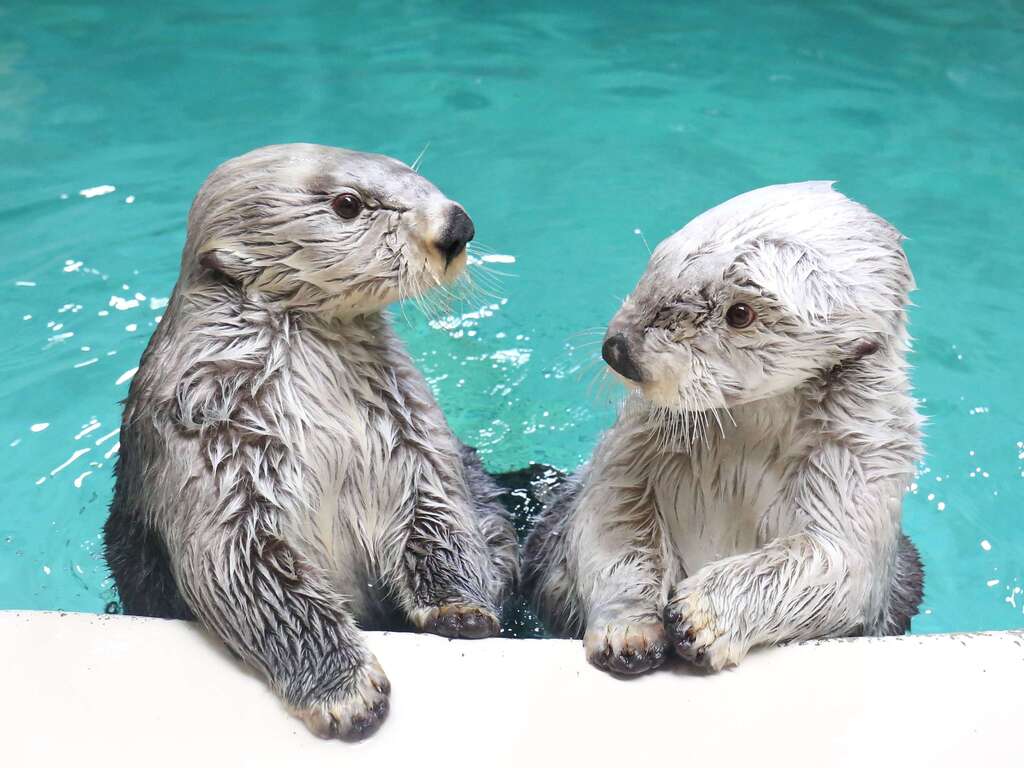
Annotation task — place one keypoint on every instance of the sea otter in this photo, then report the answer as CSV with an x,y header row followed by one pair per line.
x,y
751,490
285,473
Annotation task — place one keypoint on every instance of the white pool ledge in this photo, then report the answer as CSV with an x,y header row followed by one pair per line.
x,y
83,690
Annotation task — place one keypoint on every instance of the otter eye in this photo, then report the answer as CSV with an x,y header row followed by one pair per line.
x,y
740,315
347,205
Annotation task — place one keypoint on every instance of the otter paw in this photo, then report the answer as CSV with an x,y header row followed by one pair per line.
x,y
355,711
629,648
697,634
470,622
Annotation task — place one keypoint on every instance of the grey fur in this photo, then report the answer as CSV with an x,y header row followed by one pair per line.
x,y
282,451
750,491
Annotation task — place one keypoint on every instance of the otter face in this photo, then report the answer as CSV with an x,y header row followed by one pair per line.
x,y
325,229
758,296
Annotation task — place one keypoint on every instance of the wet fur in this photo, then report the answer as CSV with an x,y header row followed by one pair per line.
x,y
285,473
750,491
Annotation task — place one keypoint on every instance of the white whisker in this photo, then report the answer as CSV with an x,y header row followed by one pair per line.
x,y
640,232
419,158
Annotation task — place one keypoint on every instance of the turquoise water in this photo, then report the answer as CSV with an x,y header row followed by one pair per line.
x,y
563,130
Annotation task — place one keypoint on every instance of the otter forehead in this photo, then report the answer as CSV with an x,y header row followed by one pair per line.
x,y
318,168
782,234
787,213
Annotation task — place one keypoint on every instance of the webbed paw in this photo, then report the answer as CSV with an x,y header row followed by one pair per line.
x,y
627,648
697,632
356,711
455,620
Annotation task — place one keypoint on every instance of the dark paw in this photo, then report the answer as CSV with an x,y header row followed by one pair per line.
x,y
469,622
684,638
627,649
630,661
354,714
366,722
697,634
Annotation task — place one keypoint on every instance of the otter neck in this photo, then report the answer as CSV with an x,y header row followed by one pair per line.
x,y
282,306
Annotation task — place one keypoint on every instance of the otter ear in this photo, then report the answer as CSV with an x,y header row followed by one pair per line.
x,y
228,262
863,348
850,353
859,348
213,260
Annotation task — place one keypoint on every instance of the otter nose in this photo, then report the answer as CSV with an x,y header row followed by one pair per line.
x,y
458,231
615,352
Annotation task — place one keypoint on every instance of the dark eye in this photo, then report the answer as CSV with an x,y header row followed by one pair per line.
x,y
347,205
740,315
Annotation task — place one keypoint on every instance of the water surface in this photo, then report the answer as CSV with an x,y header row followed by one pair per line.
x,y
564,128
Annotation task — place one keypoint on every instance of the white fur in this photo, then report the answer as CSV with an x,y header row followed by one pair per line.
x,y
751,488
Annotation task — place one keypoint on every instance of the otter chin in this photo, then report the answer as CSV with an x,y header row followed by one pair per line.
x,y
750,492
285,474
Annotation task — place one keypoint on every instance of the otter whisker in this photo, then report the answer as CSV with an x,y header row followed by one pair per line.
x,y
423,303
600,332
419,158
482,247
639,232
403,291
718,421
606,387
587,368
725,409
593,375
483,284
494,272
461,293
435,305
602,385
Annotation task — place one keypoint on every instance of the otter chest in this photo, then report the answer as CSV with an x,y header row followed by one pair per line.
x,y
712,500
350,435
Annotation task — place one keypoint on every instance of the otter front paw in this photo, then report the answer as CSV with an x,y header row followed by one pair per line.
x,y
697,632
470,622
355,711
629,648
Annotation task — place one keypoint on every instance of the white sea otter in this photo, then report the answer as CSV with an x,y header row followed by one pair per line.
x,y
751,490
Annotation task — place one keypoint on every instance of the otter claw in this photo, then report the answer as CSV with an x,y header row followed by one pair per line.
x,y
353,713
462,621
696,633
627,649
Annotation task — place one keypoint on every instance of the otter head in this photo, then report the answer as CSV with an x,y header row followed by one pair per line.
x,y
759,296
324,229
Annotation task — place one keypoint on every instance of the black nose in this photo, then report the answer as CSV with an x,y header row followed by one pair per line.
x,y
457,232
615,352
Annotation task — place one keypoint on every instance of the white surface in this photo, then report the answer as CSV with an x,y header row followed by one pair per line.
x,y
85,690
